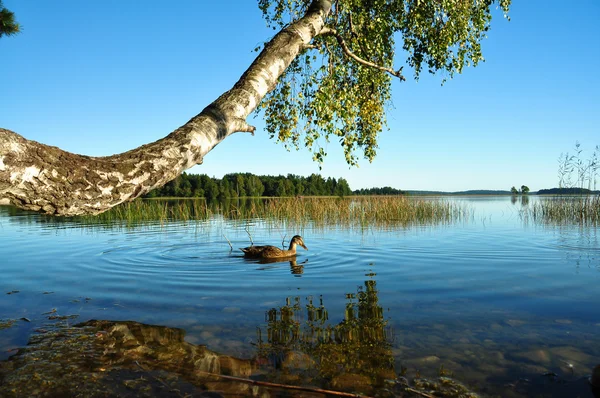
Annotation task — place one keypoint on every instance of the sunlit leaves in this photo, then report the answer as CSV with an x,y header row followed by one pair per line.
x,y
281,12
446,34
325,95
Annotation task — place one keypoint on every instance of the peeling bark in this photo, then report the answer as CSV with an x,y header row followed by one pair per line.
x,y
39,177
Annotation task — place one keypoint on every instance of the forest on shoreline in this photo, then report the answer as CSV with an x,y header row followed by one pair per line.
x,y
250,185
236,185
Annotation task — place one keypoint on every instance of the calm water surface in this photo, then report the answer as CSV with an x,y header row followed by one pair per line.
x,y
509,307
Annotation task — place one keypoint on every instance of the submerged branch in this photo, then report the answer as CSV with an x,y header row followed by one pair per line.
x,y
281,386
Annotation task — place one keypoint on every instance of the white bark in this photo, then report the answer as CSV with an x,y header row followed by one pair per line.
x,y
39,177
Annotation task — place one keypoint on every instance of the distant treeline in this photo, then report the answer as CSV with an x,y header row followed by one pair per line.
x,y
379,191
247,184
469,192
566,191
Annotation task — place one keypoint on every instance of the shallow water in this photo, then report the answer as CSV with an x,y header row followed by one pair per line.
x,y
506,306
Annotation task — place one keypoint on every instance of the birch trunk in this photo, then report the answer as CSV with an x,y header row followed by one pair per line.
x,y
44,178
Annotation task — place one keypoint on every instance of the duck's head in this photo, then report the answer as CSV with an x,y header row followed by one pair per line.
x,y
297,239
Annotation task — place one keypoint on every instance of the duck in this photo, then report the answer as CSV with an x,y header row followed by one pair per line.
x,y
272,251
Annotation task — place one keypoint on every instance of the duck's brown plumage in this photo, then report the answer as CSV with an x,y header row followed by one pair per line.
x,y
274,252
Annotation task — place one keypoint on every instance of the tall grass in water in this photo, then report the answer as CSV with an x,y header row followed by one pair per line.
x,y
364,211
567,210
142,211
356,212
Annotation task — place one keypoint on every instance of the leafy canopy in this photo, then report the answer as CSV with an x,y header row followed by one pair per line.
x,y
340,87
326,93
8,25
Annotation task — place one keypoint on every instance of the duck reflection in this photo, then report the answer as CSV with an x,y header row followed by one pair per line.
x,y
296,268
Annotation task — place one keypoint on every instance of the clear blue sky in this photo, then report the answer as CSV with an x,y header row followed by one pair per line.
x,y
102,77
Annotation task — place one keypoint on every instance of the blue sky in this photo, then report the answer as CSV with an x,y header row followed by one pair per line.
x,y
102,77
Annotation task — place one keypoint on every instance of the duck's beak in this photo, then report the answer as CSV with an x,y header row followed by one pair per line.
x,y
304,246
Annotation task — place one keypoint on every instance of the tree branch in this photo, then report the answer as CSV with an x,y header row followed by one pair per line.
x,y
39,177
240,125
332,32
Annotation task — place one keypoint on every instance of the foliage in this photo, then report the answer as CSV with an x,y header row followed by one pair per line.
x,y
340,86
565,191
238,185
524,190
328,93
8,25
379,191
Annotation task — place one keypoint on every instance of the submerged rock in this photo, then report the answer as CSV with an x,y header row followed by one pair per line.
x,y
5,324
129,359
351,382
515,322
539,356
104,358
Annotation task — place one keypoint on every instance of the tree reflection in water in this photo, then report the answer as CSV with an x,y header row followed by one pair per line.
x,y
302,350
101,358
303,347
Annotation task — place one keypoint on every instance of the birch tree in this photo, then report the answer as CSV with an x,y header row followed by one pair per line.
x,y
325,74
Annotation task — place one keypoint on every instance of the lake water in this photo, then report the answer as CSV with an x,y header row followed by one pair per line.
x,y
504,305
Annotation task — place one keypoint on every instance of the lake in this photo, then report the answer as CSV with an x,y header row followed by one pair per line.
x,y
502,304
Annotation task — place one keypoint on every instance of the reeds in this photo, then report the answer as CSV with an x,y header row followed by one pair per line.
x,y
151,211
567,210
364,211
360,212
